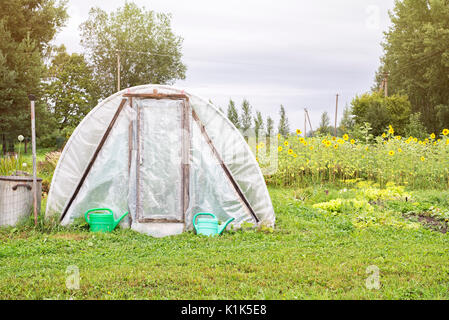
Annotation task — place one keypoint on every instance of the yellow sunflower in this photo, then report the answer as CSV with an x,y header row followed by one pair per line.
x,y
298,132
290,151
391,153
345,137
286,143
432,136
400,150
423,159
390,130
352,141
336,146
279,148
445,132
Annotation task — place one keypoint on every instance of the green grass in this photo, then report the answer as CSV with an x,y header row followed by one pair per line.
x,y
310,255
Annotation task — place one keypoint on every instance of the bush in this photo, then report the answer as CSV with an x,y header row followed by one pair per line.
x,y
381,111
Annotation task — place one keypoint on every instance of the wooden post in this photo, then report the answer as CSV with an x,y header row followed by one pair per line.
x,y
118,70
33,142
336,114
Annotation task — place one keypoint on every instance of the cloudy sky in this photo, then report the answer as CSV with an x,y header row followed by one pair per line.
x,y
293,52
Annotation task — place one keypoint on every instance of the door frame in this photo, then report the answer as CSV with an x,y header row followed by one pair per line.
x,y
185,152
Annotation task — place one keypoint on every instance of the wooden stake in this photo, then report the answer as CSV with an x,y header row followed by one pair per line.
x,y
33,141
118,70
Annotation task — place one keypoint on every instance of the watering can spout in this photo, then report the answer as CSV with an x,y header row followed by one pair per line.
x,y
116,222
223,227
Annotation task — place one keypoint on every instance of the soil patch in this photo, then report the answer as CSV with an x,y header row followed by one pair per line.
x,y
428,221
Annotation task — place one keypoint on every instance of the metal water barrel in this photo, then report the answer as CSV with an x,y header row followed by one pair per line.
x,y
16,198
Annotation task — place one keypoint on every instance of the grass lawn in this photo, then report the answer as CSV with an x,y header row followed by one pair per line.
x,y
310,255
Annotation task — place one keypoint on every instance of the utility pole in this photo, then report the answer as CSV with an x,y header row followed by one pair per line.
x,y
308,118
336,113
33,141
118,70
386,74
305,123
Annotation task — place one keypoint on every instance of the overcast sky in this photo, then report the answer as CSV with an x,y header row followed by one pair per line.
x,y
296,53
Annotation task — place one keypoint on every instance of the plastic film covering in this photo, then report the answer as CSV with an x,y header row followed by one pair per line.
x,y
107,182
160,179
78,152
238,157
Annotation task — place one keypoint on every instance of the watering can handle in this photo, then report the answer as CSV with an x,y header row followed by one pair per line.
x,y
201,214
86,215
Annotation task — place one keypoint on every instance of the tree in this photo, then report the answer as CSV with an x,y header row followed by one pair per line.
x,y
70,91
233,115
38,20
381,111
149,50
270,127
415,127
347,122
26,29
258,123
283,127
324,127
417,56
246,118
442,116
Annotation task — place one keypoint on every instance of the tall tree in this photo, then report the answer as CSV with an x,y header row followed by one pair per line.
x,y
26,29
149,50
258,123
233,115
417,56
270,127
347,122
246,118
38,20
283,127
324,126
71,91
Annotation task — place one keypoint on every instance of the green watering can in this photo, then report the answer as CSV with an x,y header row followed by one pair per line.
x,y
208,226
102,220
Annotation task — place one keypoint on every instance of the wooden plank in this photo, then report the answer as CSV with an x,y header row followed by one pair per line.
x,y
94,157
139,146
223,165
156,96
130,152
